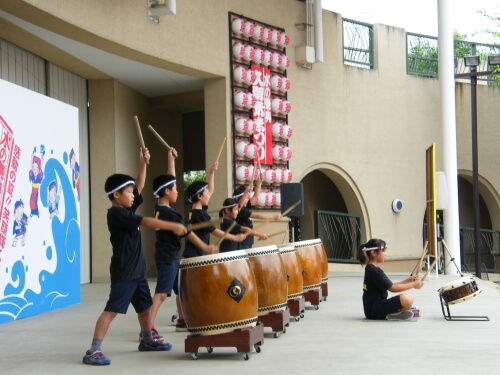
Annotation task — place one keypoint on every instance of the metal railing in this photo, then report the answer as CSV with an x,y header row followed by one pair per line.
x,y
340,234
357,43
422,57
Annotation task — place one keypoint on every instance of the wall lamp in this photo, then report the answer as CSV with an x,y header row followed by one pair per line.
x,y
494,60
472,61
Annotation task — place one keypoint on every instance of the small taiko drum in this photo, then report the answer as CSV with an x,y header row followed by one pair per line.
x,y
311,264
293,270
270,276
218,293
459,290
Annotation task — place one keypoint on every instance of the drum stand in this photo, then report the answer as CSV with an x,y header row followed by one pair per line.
x,y
297,306
243,339
313,296
277,320
447,315
324,289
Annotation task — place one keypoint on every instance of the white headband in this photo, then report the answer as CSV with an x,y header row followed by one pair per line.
x,y
131,182
238,195
161,187
195,194
232,205
371,248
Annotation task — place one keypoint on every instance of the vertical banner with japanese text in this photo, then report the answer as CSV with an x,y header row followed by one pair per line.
x,y
39,203
262,136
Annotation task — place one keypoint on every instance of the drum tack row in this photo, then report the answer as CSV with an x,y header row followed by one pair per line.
x,y
229,298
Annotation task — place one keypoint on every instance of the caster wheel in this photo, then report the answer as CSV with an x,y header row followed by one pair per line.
x,y
246,356
302,316
257,348
276,335
194,356
284,329
210,349
316,307
297,318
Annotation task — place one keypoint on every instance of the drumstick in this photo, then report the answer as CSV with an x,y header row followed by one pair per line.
x,y
430,267
139,135
226,233
204,224
287,211
275,234
424,251
158,136
220,150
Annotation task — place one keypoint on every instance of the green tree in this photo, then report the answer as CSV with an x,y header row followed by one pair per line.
x,y
192,176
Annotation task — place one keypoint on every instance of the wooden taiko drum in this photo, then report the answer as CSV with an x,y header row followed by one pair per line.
x,y
270,276
459,290
311,264
320,248
293,270
218,293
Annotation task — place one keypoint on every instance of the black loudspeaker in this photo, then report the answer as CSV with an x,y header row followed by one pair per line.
x,y
290,195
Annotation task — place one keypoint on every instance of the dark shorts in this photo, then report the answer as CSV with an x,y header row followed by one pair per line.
x,y
124,293
381,309
168,278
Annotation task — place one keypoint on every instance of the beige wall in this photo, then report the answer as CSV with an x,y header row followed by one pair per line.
x,y
366,130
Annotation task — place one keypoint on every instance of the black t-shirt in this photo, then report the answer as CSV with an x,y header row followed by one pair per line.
x,y
227,245
244,220
168,245
375,287
198,216
128,261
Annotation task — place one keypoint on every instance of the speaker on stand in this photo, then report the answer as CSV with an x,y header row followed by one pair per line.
x,y
291,193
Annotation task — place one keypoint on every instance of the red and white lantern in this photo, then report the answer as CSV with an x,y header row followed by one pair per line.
x,y
271,198
276,82
277,129
238,26
276,105
284,62
285,84
277,153
249,29
279,175
252,151
258,32
275,37
249,53
284,40
287,153
268,58
240,74
241,148
238,50
259,56
242,173
286,131
240,99
287,176
277,203
263,199
277,60
269,176
286,107
251,127
241,125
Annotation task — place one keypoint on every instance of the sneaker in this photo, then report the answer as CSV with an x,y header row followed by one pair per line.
x,y
173,319
181,326
154,345
96,358
402,315
154,333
